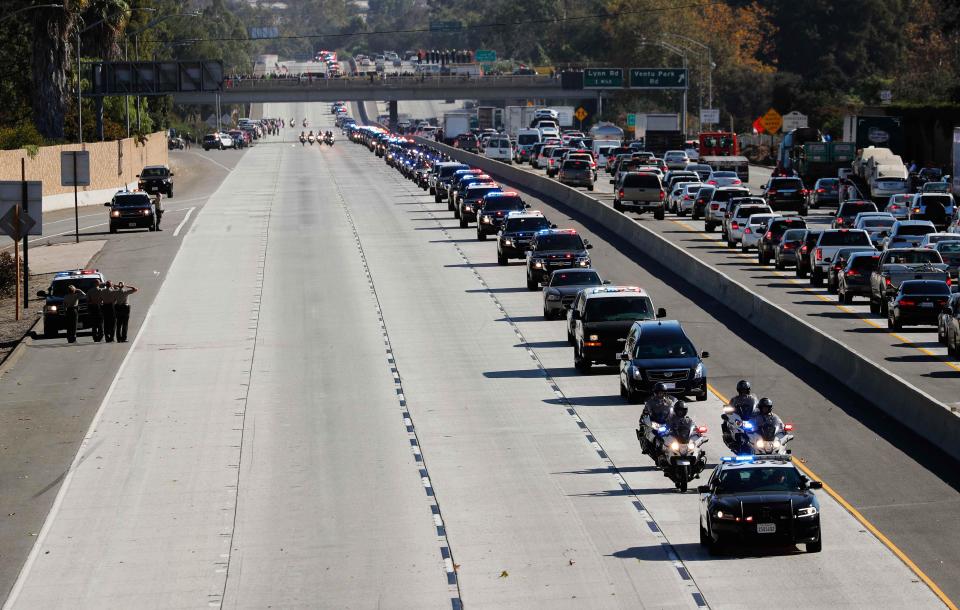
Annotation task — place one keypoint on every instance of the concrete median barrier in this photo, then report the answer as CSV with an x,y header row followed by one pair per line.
x,y
917,410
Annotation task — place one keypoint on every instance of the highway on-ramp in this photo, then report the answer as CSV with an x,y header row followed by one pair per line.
x,y
339,399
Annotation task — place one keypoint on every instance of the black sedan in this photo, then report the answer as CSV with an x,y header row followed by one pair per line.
x,y
751,500
917,302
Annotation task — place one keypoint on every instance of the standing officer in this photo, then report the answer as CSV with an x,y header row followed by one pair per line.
x,y
122,309
158,209
107,301
71,302
93,310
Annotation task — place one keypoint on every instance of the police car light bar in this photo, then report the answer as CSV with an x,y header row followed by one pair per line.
x,y
604,289
736,459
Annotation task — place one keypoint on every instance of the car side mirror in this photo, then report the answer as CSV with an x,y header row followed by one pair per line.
x,y
624,356
613,182
661,312
815,485
575,314
526,206
106,205
138,175
705,355
703,489
553,226
606,282
171,174
42,294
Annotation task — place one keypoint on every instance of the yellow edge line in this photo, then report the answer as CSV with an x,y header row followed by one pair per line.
x,y
944,359
863,521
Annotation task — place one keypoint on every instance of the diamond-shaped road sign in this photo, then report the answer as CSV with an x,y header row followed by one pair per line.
x,y
8,224
580,114
11,195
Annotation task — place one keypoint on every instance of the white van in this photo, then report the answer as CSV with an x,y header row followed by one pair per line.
x,y
498,147
601,150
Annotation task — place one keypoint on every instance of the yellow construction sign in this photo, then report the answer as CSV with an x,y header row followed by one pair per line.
x,y
772,121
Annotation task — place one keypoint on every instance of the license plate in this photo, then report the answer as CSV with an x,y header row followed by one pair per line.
x,y
670,386
766,528
131,224
927,305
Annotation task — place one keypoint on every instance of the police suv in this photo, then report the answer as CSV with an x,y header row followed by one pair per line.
x,y
54,314
552,249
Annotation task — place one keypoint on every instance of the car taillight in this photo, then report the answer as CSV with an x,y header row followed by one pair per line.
x,y
788,246
734,225
748,231
772,192
916,210
768,235
714,206
620,194
819,254
821,191
888,282
804,248
907,303
852,273
687,197
949,281
804,192
713,182
840,221
737,182
662,195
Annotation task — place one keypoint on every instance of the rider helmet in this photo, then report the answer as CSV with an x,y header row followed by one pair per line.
x,y
743,387
659,388
680,409
765,406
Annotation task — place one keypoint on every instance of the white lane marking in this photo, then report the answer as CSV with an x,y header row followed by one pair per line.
x,y
217,163
176,231
62,492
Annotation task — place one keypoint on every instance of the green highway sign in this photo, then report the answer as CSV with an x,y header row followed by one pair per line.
x,y
485,56
445,26
658,78
631,120
602,78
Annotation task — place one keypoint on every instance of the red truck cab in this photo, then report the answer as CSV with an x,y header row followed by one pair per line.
x,y
719,144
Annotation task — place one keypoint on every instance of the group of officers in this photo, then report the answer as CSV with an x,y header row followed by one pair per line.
x,y
667,410
107,308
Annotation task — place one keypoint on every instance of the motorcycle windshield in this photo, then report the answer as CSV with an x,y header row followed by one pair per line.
x,y
768,431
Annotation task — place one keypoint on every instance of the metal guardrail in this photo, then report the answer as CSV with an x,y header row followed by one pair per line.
x,y
426,81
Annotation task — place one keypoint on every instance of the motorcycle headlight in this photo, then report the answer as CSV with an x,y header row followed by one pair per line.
x,y
698,372
691,446
675,446
760,443
809,511
776,443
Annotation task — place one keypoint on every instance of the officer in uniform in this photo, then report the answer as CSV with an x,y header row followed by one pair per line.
x,y
107,301
766,416
71,303
659,405
158,209
93,311
745,404
122,309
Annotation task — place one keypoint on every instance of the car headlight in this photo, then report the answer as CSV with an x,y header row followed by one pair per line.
x,y
508,242
467,208
487,220
146,212
50,309
594,338
553,297
538,264
698,372
725,516
675,446
809,511
115,214
635,373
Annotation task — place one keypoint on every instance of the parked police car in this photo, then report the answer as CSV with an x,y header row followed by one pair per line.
x,y
54,315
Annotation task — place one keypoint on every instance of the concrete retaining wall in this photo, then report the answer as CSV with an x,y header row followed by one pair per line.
x,y
113,165
919,411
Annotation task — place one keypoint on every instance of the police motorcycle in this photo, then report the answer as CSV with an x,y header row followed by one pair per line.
x,y
311,137
303,139
677,449
304,122
328,138
767,438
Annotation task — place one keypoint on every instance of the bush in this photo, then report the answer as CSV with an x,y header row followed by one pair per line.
x,y
8,274
23,135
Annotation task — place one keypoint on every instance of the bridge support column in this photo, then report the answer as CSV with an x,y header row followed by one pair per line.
x,y
394,114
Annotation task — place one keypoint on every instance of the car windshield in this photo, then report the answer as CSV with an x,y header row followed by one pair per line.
x,y
910,257
59,287
844,238
914,287
915,229
499,204
560,241
577,278
126,201
786,183
446,172
944,200
526,224
724,175
761,478
581,165
875,223
154,172
664,347
618,309
949,247
527,138
830,184
793,235
479,191
748,211
724,195
641,181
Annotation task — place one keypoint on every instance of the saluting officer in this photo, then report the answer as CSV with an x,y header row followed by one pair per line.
x,y
94,300
122,309
107,301
71,301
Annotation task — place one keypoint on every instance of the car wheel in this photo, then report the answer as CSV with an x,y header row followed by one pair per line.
x,y
884,308
659,214
433,191
634,397
780,264
590,188
450,206
113,229
704,538
815,547
701,397
713,546
617,205
579,363
531,285
546,314
874,307
708,227
49,332
463,222
170,193
800,272
743,248
803,211
481,236
501,259
436,198
816,278
845,297
569,337
763,257
941,336
831,287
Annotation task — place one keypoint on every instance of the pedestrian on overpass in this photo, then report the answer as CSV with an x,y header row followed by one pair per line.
x,y
94,300
107,301
123,310
71,302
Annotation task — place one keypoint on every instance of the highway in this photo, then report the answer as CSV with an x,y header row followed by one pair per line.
x,y
912,353
337,398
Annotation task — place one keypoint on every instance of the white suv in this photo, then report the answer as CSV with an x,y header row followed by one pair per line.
x,y
498,147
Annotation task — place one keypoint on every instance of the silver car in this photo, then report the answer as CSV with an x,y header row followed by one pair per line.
x,y
754,229
719,179
899,206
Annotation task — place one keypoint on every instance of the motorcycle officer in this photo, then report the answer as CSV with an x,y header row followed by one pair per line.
x,y
744,404
675,421
656,409
766,416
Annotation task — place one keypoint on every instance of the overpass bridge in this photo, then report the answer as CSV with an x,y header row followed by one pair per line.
x,y
388,88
